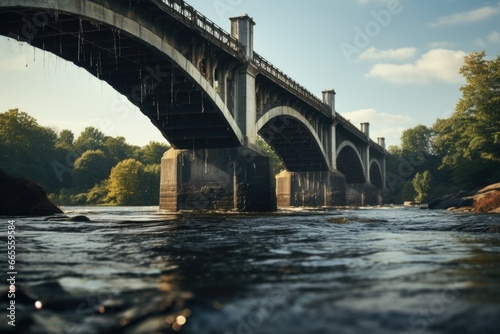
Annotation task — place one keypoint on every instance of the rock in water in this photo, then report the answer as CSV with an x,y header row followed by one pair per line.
x,y
486,200
21,197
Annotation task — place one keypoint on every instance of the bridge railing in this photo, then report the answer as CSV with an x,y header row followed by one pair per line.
x,y
193,18
288,82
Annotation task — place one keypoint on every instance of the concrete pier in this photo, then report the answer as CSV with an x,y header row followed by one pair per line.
x,y
361,194
237,179
310,189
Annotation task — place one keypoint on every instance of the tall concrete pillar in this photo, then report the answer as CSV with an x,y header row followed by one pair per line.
x,y
245,98
237,179
365,128
381,142
329,99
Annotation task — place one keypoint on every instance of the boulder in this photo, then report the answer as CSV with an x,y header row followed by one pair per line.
x,y
21,197
455,200
485,200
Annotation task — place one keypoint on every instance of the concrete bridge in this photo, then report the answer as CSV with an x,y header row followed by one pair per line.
x,y
210,95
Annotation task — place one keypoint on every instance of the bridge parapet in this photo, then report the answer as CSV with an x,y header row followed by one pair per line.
x,y
278,76
191,17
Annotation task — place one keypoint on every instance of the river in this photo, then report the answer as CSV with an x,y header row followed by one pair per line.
x,y
368,270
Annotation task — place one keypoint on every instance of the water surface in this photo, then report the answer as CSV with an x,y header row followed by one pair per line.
x,y
370,270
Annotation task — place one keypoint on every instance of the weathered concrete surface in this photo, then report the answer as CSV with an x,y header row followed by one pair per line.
x,y
310,189
217,179
362,194
20,197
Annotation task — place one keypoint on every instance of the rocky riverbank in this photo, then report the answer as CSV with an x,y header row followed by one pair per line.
x,y
485,200
21,197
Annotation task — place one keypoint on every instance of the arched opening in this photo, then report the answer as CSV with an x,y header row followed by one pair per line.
x,y
349,164
294,143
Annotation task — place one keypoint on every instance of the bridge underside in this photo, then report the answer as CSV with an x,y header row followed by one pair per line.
x,y
176,105
348,163
294,145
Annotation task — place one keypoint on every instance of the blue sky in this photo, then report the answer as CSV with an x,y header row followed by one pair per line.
x,y
392,63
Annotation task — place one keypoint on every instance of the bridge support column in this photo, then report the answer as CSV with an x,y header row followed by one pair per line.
x,y
244,94
361,194
310,189
237,179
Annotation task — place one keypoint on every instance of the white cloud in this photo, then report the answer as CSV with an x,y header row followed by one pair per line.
x,y
438,65
372,115
389,126
397,54
472,16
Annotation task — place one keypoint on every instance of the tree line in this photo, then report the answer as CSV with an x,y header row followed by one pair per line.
x,y
90,169
458,153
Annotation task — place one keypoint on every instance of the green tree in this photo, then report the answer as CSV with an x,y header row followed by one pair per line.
x,y
416,140
125,187
65,139
90,139
27,149
98,193
422,185
469,141
117,149
151,184
152,153
91,168
133,183
276,163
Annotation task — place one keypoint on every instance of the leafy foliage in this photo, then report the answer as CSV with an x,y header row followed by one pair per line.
x,y
76,172
422,185
473,131
91,168
27,149
462,151
416,140
276,163
152,153
125,182
90,139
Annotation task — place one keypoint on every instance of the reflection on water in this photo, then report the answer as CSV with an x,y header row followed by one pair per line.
x,y
132,270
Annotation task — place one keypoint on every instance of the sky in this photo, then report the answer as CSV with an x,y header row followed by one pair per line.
x,y
394,64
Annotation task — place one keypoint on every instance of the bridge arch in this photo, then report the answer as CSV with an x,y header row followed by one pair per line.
x,y
376,174
119,19
294,139
350,163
